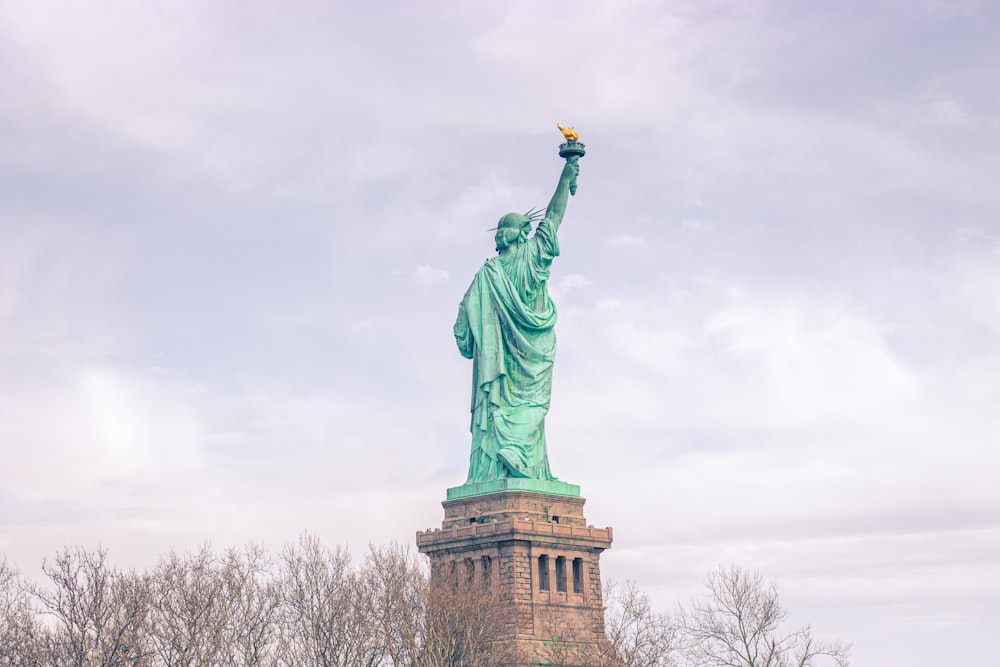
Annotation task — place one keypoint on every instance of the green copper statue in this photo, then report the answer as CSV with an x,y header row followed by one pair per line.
x,y
506,326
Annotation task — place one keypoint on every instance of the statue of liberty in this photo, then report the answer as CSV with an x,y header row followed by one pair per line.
x,y
506,326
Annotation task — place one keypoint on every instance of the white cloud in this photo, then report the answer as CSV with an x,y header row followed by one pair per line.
x,y
693,225
568,283
941,108
627,241
428,275
483,202
979,286
813,362
748,363
98,425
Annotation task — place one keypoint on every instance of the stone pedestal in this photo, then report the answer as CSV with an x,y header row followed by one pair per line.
x,y
546,561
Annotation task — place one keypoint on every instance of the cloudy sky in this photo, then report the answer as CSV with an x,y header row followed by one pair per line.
x,y
233,237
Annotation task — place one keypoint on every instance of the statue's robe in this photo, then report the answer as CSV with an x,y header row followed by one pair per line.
x,y
506,326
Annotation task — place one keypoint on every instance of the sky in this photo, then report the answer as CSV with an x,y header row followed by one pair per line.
x,y
234,236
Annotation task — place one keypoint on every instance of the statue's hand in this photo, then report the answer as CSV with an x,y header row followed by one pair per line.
x,y
570,172
572,168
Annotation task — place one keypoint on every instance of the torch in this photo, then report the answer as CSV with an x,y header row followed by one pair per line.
x,y
572,148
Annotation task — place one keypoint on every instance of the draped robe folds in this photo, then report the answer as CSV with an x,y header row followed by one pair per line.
x,y
506,326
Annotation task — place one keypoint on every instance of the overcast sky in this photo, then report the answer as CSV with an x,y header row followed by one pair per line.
x,y
234,235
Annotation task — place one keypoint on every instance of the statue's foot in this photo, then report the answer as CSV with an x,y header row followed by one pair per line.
x,y
512,465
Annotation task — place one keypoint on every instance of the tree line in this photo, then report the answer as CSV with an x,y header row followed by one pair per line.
x,y
312,605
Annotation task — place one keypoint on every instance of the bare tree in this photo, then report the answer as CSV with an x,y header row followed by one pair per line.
x,y
188,615
22,638
101,612
738,624
215,610
251,598
458,620
567,644
396,588
325,612
467,622
639,636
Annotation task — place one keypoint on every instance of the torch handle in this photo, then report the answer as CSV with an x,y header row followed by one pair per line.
x,y
575,161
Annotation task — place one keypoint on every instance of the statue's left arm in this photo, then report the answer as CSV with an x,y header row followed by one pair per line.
x,y
463,331
557,207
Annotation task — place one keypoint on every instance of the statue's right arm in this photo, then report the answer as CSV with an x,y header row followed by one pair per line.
x,y
557,207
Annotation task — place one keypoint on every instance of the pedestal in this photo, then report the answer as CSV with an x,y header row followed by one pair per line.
x,y
540,551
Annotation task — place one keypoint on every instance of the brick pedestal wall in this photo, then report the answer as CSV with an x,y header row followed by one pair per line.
x,y
547,563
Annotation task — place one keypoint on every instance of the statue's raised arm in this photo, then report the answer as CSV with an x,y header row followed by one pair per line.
x,y
557,206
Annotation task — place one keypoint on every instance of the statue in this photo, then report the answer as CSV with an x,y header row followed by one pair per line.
x,y
506,326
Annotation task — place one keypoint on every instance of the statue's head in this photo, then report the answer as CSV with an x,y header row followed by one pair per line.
x,y
513,228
